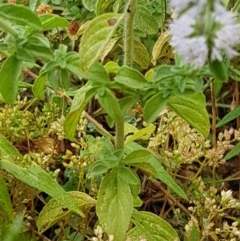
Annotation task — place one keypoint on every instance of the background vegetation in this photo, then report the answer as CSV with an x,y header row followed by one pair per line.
x,y
105,133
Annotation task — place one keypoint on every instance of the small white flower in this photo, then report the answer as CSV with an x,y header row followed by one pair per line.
x,y
192,49
192,38
227,36
180,5
226,195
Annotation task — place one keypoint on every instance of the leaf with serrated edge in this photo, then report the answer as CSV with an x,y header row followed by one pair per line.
x,y
53,210
96,37
37,178
114,205
192,108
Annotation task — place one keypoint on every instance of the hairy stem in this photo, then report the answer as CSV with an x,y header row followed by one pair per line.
x,y
164,7
128,31
128,55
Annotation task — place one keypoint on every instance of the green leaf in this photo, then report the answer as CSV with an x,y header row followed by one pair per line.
x,y
97,73
37,178
142,134
218,84
109,160
141,55
130,77
137,156
54,211
151,227
218,70
24,55
149,75
112,67
110,104
65,80
73,67
161,173
7,150
38,86
235,151
127,102
33,4
97,168
164,176
89,4
20,14
129,176
96,37
9,74
163,72
140,159
81,98
229,117
5,201
39,51
145,22
50,21
114,205
13,231
193,234
146,167
192,109
153,107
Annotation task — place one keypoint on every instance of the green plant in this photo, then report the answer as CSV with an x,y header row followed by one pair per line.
x,y
108,167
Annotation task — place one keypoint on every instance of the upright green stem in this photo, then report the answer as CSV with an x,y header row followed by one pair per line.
x,y
163,3
128,31
128,55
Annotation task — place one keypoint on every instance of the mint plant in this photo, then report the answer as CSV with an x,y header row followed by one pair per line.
x,y
116,86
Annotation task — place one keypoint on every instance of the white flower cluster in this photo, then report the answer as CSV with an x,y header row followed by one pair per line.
x,y
202,30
